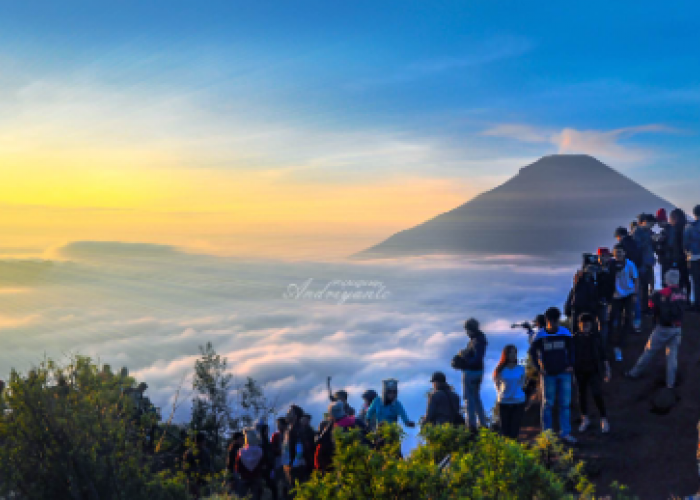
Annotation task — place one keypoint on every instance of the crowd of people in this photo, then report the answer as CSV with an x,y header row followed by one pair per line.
x,y
610,294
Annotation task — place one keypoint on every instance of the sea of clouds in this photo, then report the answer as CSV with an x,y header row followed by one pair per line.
x,y
289,325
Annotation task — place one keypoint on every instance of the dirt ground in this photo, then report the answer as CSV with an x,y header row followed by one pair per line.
x,y
654,455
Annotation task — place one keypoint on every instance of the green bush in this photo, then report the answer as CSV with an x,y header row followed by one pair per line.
x,y
69,432
486,466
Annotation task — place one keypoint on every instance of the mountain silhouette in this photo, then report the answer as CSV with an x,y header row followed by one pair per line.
x,y
559,204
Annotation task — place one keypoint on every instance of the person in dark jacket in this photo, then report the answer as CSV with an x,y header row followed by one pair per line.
x,y
692,249
297,450
509,378
606,291
591,367
678,221
643,237
473,374
263,431
582,299
237,442
661,242
443,402
553,352
250,466
631,250
325,445
368,398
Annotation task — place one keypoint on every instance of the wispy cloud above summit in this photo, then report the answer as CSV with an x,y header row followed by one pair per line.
x,y
605,144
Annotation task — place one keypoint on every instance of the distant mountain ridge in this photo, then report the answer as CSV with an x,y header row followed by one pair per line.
x,y
558,204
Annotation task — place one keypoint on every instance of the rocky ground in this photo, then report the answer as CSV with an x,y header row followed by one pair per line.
x,y
654,454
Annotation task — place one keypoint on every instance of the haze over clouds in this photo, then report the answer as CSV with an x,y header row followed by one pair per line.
x,y
150,307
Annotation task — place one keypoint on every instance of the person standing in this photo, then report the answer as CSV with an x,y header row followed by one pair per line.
x,y
443,402
606,290
668,306
368,398
692,248
678,222
250,466
388,408
509,378
626,284
296,450
591,367
633,254
645,244
552,352
582,299
473,374
661,243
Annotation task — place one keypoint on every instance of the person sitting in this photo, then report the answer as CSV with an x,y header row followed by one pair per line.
x,y
509,378
443,402
591,367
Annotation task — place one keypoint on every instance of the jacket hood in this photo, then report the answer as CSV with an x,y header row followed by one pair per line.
x,y
250,456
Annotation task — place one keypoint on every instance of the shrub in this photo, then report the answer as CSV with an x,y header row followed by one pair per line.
x,y
69,432
486,466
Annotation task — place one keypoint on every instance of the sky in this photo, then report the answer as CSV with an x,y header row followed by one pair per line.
x,y
312,130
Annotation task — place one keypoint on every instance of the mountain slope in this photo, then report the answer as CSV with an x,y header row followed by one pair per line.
x,y
560,203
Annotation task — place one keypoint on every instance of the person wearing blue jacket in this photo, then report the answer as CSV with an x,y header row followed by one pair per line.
x,y
552,352
388,408
473,374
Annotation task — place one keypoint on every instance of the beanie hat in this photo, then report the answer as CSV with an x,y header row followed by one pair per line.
x,y
661,215
603,251
621,232
438,377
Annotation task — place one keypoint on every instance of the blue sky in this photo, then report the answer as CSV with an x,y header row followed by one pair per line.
x,y
329,94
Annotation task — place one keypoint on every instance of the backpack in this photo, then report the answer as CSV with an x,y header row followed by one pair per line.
x,y
671,309
458,362
457,418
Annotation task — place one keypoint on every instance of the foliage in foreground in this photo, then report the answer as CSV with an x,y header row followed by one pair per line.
x,y
72,433
487,467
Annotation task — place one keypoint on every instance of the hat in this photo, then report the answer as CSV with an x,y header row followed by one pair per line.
x,y
661,215
620,232
672,277
438,377
337,410
603,251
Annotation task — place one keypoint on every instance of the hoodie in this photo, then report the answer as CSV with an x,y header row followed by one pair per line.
x,y
553,353
474,353
249,462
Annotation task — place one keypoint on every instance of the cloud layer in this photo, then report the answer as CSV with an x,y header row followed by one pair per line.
x,y
150,307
